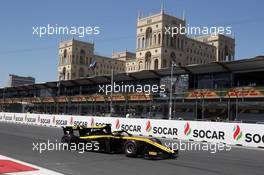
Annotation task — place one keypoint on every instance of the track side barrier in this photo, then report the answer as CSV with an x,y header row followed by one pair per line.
x,y
251,135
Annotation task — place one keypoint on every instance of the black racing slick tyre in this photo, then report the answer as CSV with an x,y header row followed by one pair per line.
x,y
68,140
130,149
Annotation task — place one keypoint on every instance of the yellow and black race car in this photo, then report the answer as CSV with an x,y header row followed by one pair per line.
x,y
117,142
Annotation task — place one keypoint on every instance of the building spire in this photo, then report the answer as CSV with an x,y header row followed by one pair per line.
x,y
183,15
162,8
139,15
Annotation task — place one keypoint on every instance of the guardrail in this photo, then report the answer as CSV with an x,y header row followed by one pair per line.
x,y
251,135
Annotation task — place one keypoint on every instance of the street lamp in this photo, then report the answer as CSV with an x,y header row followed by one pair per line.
x,y
61,77
170,104
3,105
112,84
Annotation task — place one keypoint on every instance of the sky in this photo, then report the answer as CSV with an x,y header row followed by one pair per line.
x,y
26,54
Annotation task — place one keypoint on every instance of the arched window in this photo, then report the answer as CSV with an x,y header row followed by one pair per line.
x,y
156,64
226,54
82,56
140,65
81,72
155,39
65,53
174,38
167,40
64,57
171,42
143,43
90,61
164,63
159,38
148,37
73,59
63,75
173,57
147,60
138,43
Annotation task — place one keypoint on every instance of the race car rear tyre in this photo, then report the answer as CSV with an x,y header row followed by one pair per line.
x,y
130,149
68,140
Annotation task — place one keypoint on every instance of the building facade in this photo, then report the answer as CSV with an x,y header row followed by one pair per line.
x,y
154,50
15,80
157,50
224,45
77,60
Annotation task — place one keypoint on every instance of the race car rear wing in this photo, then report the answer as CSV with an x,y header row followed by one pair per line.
x,y
70,130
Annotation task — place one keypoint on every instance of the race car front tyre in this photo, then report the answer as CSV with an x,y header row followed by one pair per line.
x,y
130,149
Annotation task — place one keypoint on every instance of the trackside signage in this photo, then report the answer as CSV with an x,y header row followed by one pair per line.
x,y
230,133
9,117
200,131
30,119
250,134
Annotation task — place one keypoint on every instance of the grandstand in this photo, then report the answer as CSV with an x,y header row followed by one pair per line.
x,y
222,91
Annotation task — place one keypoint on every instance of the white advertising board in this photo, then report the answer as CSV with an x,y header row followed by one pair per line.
x,y
251,135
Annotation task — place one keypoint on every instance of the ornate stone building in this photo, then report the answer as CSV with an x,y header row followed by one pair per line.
x,y
154,50
77,60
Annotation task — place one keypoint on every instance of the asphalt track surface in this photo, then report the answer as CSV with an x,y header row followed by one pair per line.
x,y
16,141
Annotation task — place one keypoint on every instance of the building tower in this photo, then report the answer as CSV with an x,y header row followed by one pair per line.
x,y
74,59
154,49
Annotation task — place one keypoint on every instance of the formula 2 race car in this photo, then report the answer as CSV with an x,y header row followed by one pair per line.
x,y
117,142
